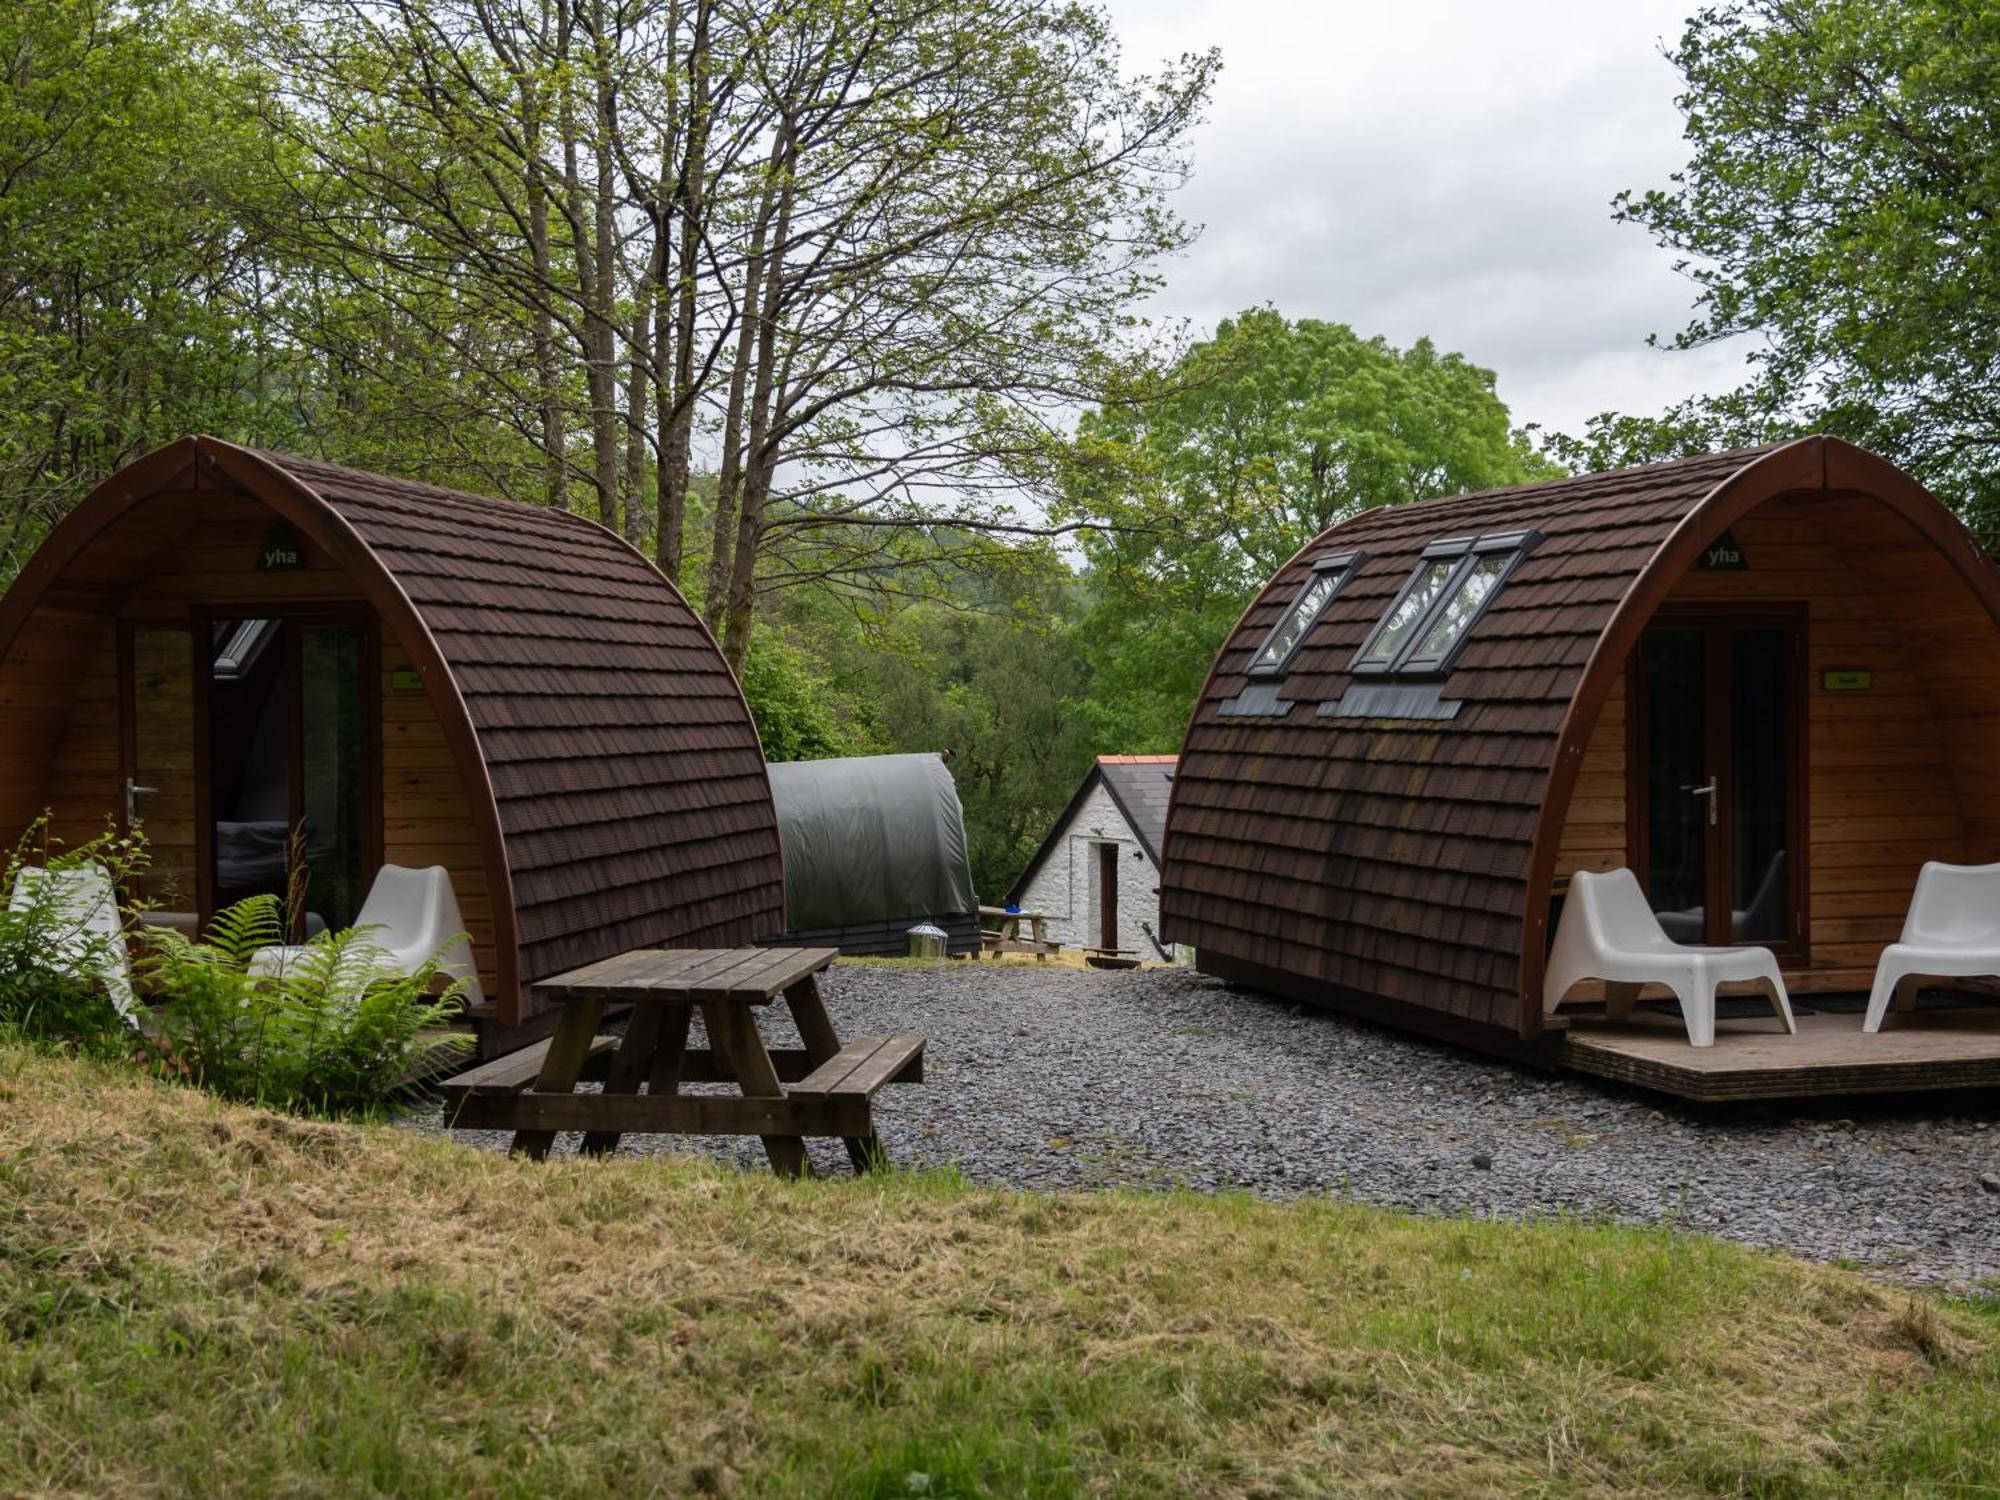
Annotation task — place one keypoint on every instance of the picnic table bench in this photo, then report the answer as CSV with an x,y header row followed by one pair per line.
x,y
787,1093
1005,935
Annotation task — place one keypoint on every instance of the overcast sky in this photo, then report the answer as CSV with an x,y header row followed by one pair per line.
x,y
1427,167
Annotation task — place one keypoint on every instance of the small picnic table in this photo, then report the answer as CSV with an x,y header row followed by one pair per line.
x,y
820,1089
1006,937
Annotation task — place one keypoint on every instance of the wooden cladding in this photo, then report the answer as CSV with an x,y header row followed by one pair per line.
x,y
1893,772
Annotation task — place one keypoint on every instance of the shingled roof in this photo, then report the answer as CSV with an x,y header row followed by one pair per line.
x,y
1141,785
1408,860
624,764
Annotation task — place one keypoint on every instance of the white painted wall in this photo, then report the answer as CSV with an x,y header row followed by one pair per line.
x,y
1066,887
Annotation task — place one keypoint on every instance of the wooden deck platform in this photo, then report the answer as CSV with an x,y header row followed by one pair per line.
x,y
1753,1058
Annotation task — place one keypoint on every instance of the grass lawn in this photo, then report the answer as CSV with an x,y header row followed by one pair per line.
x,y
200,1298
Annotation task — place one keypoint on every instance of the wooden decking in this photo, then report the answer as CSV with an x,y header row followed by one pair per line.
x,y
1753,1058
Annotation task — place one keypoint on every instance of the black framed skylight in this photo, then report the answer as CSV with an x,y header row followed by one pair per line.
x,y
1314,595
1449,589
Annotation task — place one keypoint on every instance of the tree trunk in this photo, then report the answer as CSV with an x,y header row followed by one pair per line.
x,y
676,417
729,481
548,382
762,447
640,372
603,302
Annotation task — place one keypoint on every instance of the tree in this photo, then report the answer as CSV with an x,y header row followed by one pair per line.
x,y
863,256
1203,480
801,714
128,287
1843,201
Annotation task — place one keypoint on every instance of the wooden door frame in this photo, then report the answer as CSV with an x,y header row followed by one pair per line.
x,y
200,626
1715,618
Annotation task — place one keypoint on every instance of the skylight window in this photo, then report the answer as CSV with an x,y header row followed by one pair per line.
x,y
239,645
1283,643
1452,585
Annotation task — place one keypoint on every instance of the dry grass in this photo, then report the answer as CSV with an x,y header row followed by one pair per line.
x,y
199,1297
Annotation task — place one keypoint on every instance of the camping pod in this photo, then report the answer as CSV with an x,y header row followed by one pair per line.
x,y
264,660
1767,681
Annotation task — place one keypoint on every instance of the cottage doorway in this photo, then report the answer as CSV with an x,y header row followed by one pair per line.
x,y
1717,778
1107,895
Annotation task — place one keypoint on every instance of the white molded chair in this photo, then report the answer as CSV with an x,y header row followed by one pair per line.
x,y
1608,932
91,940
1952,932
412,913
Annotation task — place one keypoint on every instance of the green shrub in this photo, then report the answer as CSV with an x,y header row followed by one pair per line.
x,y
331,1033
48,991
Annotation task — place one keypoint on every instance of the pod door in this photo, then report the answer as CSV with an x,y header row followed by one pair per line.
x,y
1717,778
292,798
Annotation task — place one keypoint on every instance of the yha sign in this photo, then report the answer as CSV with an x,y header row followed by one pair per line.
x,y
1723,555
281,552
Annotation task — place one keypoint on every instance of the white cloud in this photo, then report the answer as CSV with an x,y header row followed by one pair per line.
x,y
1425,167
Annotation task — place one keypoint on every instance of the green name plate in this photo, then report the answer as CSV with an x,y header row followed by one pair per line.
x,y
1847,682
1723,555
406,680
281,552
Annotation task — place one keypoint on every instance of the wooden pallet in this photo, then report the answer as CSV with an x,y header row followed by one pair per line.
x,y
1831,1055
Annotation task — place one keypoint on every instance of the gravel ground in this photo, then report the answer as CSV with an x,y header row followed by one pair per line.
x,y
1047,1077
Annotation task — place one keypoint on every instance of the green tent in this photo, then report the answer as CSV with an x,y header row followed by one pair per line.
x,y
873,845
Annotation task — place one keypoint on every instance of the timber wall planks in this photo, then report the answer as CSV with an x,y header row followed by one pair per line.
x,y
1890,777
426,819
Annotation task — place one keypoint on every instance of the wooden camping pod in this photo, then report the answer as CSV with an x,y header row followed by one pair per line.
x,y
548,718
1405,867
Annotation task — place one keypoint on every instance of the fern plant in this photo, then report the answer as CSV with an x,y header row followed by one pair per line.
x,y
331,1029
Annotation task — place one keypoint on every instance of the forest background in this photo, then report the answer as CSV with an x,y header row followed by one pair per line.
x,y
833,308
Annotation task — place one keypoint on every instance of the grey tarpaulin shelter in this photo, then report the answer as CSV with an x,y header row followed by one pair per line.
x,y
873,845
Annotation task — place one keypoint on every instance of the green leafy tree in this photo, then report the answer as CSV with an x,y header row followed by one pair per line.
x,y
1842,201
801,713
1205,479
978,657
1002,692
128,285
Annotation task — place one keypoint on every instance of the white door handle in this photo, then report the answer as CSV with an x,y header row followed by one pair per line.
x,y
1706,789
133,792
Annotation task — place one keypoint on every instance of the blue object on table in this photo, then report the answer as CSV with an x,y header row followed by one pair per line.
x,y
1013,908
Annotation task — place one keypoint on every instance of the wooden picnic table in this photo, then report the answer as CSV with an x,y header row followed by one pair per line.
x,y
820,1089
1006,936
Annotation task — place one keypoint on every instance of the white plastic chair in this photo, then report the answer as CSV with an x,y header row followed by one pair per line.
x,y
90,942
1952,932
1608,932
411,913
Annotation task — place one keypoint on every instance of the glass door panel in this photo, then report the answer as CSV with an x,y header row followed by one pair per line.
x,y
250,694
1760,785
1676,760
331,763
287,756
1716,765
